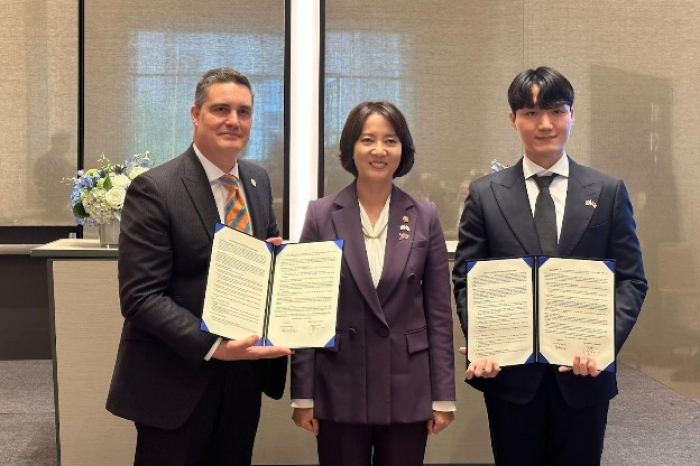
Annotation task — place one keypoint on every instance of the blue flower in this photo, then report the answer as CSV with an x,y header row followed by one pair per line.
x,y
97,194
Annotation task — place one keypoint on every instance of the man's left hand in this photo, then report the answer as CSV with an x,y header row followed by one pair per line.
x,y
583,365
276,240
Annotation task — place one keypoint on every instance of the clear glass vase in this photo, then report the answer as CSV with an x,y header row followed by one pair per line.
x,y
109,234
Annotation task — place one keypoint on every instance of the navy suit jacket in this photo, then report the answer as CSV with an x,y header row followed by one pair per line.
x,y
394,355
165,245
497,222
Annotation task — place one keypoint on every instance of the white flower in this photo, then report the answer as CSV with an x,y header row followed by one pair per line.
x,y
91,203
120,181
136,171
115,197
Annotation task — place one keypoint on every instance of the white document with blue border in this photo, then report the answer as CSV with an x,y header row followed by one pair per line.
x,y
287,294
541,310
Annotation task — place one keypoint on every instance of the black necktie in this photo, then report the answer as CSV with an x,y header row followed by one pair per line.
x,y
545,216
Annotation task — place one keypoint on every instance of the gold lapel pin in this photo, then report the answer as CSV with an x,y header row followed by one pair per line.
x,y
404,227
253,182
591,203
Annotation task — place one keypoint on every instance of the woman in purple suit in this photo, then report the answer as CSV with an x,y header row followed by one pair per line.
x,y
389,381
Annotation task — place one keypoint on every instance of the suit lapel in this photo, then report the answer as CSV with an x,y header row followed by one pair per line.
x,y
253,201
512,199
197,185
346,221
581,198
397,250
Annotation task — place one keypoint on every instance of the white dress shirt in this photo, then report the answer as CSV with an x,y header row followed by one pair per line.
x,y
375,240
557,189
220,193
218,189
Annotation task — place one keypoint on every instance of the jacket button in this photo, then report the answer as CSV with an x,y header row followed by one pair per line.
x,y
383,332
351,333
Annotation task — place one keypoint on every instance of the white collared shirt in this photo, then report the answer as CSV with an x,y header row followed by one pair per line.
x,y
218,189
557,189
375,239
220,193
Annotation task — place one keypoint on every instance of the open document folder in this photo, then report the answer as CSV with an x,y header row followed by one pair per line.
x,y
541,309
287,294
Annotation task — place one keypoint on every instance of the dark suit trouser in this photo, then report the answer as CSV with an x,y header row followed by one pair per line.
x,y
342,444
220,432
546,431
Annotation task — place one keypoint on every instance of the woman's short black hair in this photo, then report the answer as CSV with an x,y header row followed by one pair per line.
x,y
353,129
555,89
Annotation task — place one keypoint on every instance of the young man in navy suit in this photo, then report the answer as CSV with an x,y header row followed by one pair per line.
x,y
544,414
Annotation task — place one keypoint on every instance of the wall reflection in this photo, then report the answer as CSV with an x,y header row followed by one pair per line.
x,y
631,137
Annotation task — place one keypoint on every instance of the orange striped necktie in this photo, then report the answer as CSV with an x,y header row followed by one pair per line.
x,y
236,210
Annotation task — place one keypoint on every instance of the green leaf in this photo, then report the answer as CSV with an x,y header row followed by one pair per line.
x,y
79,211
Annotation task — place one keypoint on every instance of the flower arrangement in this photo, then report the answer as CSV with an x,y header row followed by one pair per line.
x,y
98,193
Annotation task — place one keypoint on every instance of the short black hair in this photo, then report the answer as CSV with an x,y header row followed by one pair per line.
x,y
353,130
555,89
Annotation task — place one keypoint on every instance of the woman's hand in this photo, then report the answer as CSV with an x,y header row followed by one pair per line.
x,y
440,420
304,418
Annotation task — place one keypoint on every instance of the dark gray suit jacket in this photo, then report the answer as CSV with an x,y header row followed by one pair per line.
x,y
164,252
395,354
497,222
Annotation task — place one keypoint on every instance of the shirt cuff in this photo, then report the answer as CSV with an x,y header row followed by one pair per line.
x,y
444,406
213,348
302,403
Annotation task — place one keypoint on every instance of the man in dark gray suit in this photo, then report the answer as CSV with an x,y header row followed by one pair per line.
x,y
540,414
195,398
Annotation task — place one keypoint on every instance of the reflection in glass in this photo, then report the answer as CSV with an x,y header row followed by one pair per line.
x,y
638,148
352,76
143,61
39,92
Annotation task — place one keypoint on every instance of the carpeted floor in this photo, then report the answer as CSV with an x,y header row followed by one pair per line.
x,y
648,425
27,422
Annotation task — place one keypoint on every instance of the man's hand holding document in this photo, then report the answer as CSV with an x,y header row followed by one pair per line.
x,y
288,294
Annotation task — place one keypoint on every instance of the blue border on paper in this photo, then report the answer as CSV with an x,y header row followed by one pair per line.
x,y
331,342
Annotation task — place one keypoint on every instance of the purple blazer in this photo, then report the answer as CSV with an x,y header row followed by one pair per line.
x,y
394,353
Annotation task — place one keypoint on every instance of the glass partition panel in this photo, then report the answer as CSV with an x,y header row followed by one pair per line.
x,y
143,61
39,59
446,65
634,66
